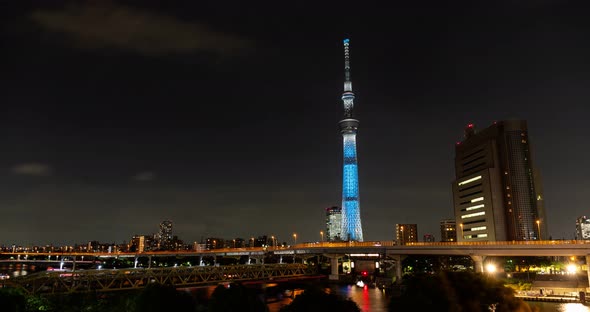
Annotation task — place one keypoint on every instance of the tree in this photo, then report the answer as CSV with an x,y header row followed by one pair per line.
x,y
455,292
12,300
157,297
315,299
236,297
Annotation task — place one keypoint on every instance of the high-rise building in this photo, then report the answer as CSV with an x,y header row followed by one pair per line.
x,y
164,236
497,191
406,233
351,217
139,243
582,228
429,238
333,224
448,231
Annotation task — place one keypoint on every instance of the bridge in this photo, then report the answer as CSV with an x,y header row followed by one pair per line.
x,y
478,251
54,282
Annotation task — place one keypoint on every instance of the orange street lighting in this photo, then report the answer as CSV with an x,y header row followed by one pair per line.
x,y
539,228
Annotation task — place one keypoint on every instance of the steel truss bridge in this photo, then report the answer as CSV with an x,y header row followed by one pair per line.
x,y
61,282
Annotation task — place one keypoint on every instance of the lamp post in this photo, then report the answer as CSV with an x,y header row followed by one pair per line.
x,y
274,241
252,238
322,235
295,238
539,228
461,225
402,240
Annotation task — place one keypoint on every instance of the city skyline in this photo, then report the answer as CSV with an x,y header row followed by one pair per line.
x,y
224,120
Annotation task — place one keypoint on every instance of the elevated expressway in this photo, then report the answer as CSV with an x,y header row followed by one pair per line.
x,y
478,251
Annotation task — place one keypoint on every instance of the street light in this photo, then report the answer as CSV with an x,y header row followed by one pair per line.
x,y
322,234
274,240
539,228
461,225
295,238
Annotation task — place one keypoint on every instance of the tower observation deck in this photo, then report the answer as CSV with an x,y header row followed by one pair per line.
x,y
351,218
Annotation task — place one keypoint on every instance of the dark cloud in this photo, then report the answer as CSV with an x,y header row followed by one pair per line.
x,y
140,31
144,176
32,169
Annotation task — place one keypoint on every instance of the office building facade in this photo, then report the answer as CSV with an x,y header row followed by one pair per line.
x,y
583,228
333,224
448,231
497,191
406,233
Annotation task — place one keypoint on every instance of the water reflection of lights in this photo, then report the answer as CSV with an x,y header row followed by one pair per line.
x,y
366,299
573,307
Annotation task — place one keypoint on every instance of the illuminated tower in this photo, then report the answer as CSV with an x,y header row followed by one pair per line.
x,y
351,216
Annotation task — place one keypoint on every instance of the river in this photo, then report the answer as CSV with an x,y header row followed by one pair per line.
x,y
375,300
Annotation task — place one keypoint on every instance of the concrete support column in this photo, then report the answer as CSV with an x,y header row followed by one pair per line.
x,y
135,261
334,268
478,263
73,263
215,260
149,262
281,259
398,268
201,260
334,275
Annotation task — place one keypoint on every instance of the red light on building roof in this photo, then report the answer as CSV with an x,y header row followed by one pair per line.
x,y
458,143
470,125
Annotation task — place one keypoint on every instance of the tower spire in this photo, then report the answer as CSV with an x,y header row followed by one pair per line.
x,y
351,229
347,96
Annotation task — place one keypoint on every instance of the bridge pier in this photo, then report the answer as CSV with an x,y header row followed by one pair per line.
x,y
334,275
477,263
73,263
398,267
281,259
149,261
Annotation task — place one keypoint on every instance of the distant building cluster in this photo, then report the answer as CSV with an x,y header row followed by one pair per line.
x,y
159,241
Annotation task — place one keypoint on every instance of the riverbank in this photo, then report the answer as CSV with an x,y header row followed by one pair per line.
x,y
551,298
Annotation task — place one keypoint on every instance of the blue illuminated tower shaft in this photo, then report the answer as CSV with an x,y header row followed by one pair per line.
x,y
351,217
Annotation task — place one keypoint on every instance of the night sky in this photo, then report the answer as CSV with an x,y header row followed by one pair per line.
x,y
223,117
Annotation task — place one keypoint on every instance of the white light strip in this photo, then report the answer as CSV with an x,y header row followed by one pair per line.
x,y
474,207
479,228
477,199
471,215
469,180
